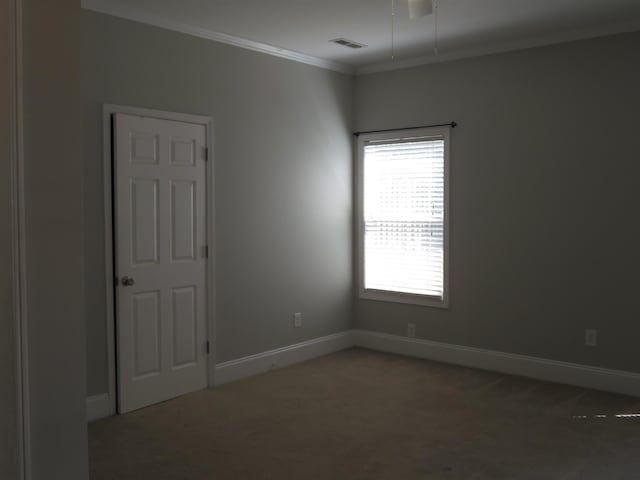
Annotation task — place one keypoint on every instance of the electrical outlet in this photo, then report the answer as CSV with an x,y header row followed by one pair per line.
x,y
297,320
411,330
590,338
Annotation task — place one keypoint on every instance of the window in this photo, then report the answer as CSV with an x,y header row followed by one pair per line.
x,y
403,216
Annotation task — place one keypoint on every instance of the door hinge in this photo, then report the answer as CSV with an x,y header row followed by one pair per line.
x,y
207,347
206,154
206,251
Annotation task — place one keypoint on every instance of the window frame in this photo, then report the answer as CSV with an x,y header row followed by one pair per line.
x,y
387,295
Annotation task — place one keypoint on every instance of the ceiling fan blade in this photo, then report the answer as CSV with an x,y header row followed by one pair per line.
x,y
420,8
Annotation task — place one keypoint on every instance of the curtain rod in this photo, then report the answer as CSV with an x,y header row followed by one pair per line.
x,y
450,124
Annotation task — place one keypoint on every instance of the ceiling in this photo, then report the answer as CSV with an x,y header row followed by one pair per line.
x,y
301,29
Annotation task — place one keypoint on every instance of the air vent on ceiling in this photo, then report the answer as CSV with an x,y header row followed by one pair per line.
x,y
347,43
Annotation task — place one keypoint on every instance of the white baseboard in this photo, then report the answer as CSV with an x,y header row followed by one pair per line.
x,y
99,406
539,368
263,362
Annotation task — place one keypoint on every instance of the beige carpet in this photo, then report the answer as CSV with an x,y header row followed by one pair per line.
x,y
359,414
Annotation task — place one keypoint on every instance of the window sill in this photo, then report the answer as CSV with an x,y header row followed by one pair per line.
x,y
407,298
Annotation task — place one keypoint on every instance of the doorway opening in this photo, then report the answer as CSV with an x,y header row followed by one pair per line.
x,y
159,263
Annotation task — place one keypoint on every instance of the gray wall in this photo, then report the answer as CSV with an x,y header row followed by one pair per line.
x,y
54,240
282,188
8,397
544,198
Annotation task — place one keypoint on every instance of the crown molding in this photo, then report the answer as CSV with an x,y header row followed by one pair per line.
x,y
119,10
541,41
129,13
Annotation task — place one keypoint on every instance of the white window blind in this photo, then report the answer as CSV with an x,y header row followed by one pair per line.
x,y
404,215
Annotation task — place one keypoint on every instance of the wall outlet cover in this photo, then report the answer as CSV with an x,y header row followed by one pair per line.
x,y
411,330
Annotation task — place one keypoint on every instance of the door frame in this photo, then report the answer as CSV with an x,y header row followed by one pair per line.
x,y
108,110
18,253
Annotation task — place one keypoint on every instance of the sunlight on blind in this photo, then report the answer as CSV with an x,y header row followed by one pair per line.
x,y
404,216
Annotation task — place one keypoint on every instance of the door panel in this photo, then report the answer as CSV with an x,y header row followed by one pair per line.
x,y
144,221
144,148
184,326
160,169
183,152
146,333
183,221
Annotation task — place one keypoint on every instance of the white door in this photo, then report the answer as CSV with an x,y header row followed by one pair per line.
x,y
161,265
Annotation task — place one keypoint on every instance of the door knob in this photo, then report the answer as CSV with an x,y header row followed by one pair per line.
x,y
128,281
